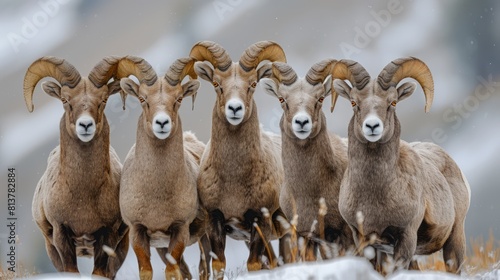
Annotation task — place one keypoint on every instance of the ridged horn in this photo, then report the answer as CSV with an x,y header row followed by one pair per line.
x,y
260,51
408,67
179,69
212,52
48,66
352,71
139,67
319,71
283,73
103,71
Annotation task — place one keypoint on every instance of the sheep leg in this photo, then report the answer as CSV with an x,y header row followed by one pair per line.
x,y
121,250
175,249
405,250
310,251
103,263
53,255
64,246
454,250
217,236
256,249
285,248
205,257
140,244
186,274
108,265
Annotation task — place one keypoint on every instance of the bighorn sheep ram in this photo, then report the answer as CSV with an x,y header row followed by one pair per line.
x,y
75,204
412,196
158,197
314,160
241,170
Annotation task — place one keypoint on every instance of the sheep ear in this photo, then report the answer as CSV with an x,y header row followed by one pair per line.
x,y
270,87
265,71
204,70
52,89
128,87
327,85
190,89
405,90
342,88
114,87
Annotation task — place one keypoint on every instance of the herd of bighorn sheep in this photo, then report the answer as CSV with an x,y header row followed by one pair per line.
x,y
309,188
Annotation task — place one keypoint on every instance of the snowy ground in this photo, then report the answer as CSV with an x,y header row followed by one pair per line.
x,y
346,268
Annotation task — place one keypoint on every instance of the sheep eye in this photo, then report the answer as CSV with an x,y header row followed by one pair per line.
x,y
353,103
215,84
253,85
393,103
179,100
320,100
281,99
141,99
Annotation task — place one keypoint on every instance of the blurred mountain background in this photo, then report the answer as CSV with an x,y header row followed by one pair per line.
x,y
459,40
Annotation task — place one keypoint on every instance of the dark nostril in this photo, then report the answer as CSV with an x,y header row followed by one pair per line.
x,y
235,109
86,126
302,123
162,124
372,127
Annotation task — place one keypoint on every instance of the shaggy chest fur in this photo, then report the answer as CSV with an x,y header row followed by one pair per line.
x,y
93,198
233,194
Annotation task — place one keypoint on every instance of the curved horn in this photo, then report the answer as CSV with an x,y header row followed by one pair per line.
x,y
179,69
212,52
284,73
48,66
352,71
260,51
139,67
408,67
103,71
319,71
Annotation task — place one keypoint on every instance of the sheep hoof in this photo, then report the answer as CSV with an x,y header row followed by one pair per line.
x,y
254,266
175,274
146,275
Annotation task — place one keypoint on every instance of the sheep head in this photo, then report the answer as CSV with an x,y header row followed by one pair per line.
x,y
83,99
160,98
374,102
301,99
234,83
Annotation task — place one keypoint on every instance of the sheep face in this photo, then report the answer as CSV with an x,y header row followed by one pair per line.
x,y
301,103
234,88
374,109
160,104
83,105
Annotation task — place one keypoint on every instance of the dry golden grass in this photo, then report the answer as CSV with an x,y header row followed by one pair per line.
x,y
21,272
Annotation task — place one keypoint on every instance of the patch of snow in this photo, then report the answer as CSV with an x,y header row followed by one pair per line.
x,y
347,268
